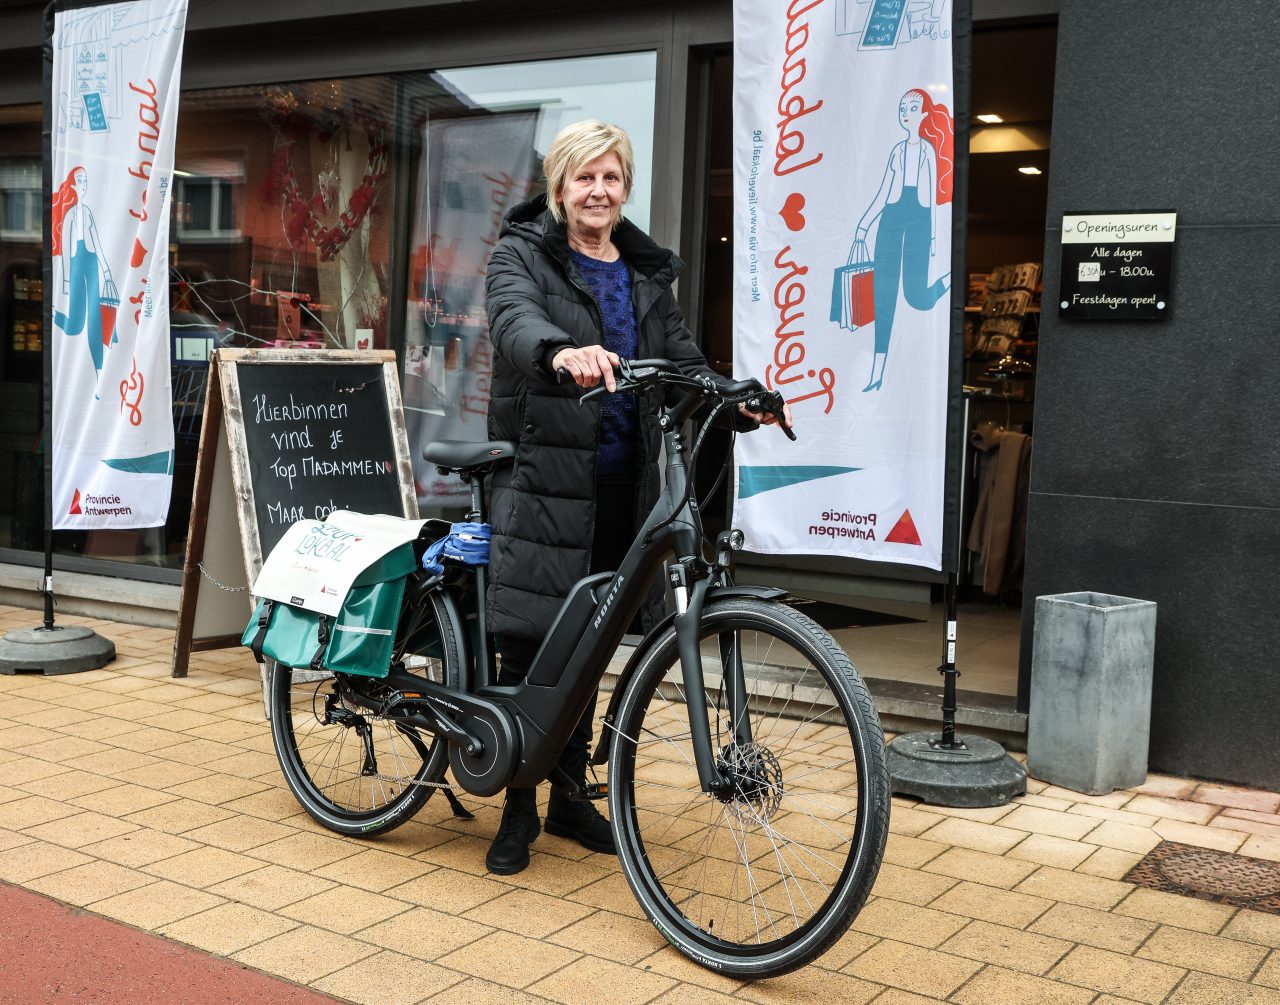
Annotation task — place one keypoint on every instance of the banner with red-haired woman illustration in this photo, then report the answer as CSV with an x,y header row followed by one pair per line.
x,y
845,170
114,109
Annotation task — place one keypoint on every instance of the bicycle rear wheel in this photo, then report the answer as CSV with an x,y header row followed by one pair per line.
x,y
766,878
354,770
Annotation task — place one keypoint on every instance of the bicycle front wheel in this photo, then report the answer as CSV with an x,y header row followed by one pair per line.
x,y
765,877
353,770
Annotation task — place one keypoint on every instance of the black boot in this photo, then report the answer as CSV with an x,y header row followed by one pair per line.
x,y
509,852
579,820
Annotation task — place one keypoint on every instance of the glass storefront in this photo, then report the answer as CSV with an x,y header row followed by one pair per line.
x,y
353,213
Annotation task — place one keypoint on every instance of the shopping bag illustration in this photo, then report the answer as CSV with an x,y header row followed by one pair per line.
x,y
108,305
852,289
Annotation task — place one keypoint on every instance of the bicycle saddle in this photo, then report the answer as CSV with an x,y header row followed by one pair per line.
x,y
464,455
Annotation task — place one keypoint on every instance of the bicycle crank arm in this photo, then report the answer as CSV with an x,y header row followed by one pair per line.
x,y
438,723
686,625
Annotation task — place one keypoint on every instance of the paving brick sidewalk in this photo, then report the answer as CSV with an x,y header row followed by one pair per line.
x,y
159,803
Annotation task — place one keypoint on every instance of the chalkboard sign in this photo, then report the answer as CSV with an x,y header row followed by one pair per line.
x,y
884,21
305,432
317,441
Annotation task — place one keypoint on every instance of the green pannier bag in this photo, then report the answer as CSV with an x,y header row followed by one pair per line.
x,y
358,641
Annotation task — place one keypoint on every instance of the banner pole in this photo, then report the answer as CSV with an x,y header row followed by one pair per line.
x,y
51,649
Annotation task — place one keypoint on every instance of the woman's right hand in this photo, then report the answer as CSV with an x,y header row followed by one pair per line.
x,y
587,365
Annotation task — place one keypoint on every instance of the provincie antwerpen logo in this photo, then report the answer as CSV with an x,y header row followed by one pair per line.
x,y
89,505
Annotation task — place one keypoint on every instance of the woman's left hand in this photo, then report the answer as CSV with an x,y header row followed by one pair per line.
x,y
767,418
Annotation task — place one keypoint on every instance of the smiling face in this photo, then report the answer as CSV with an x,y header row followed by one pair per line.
x,y
911,112
593,196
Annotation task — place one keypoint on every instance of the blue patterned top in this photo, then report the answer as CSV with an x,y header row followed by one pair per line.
x,y
610,284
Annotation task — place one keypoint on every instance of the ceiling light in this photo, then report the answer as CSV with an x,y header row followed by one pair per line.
x,y
724,239
990,120
1030,170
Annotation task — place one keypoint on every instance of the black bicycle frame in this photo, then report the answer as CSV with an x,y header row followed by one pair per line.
x,y
591,622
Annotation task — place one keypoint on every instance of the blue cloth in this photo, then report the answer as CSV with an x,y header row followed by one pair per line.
x,y
83,310
610,284
902,253
466,542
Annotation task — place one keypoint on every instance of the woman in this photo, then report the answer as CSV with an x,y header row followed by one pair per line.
x,y
85,276
571,286
917,179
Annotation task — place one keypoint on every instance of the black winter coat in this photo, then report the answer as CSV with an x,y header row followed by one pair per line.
x,y
543,508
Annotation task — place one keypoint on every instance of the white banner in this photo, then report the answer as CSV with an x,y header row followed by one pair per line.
x,y
115,112
843,171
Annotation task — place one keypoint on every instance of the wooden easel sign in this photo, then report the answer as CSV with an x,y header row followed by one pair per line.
x,y
288,435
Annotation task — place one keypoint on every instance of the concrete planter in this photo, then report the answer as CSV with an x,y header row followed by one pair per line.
x,y
1090,718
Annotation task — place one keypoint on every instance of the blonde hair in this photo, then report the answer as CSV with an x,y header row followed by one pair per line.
x,y
580,143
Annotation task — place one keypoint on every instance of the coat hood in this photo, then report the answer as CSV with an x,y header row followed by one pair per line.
x,y
532,221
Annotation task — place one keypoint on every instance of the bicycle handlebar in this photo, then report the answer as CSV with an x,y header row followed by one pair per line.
x,y
634,374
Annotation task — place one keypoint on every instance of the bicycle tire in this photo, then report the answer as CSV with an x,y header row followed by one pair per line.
x,y
678,866
323,760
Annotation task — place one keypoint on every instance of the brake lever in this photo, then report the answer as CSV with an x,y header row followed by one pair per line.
x,y
772,406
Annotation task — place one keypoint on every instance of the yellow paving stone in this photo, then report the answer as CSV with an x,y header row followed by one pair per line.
x,y
345,910
81,829
31,811
560,877
474,991
271,887
1046,850
466,854
1125,837
1166,786
114,762
93,881
449,891
493,957
1238,798
274,803
987,903
981,867
527,912
68,785
911,852
387,979
613,936
984,815
920,926
240,833
1011,947
1261,847
55,718
1172,909
179,816
910,885
226,731
208,702
1245,825
1269,973
306,851
178,719
122,800
1203,989
304,954
997,986
61,749
993,838
1074,888
1093,928
687,994
20,770
149,907
7,794
1054,823
923,971
910,821
138,709
199,752
423,933
12,839
590,980
375,870
1208,953
1109,863
670,963
164,693
102,728
1141,980
13,738
1044,802
203,867
1203,837
23,863
1254,926
1173,809
1122,816
140,847
145,739
247,764
216,788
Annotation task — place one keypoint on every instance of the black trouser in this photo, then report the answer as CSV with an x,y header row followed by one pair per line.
x,y
614,532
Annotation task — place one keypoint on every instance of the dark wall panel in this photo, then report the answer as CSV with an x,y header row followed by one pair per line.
x,y
1156,471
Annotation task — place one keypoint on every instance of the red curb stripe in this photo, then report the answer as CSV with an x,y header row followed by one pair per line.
x,y
51,953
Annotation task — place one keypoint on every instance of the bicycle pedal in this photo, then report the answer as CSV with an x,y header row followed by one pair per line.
x,y
595,790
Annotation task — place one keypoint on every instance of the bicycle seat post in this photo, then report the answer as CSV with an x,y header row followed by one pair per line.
x,y
484,656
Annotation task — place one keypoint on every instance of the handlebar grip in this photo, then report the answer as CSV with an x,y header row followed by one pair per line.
x,y
772,403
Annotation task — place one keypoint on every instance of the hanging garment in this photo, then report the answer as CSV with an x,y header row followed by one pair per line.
x,y
999,528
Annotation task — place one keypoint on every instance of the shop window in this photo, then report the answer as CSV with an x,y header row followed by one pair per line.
x,y
20,200
204,209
